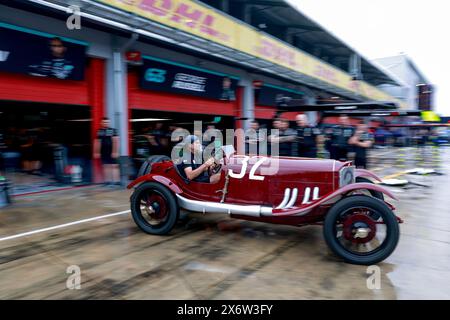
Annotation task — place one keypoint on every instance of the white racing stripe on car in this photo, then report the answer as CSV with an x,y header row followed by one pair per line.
x,y
65,225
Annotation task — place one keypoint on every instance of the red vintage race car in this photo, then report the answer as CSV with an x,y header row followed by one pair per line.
x,y
358,224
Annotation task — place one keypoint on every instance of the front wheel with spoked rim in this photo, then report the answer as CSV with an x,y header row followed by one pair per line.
x,y
154,208
354,234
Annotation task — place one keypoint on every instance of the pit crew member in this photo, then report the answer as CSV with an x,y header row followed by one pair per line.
x,y
285,138
306,137
361,141
340,137
106,148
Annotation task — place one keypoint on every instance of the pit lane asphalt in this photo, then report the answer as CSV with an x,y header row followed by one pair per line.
x,y
215,257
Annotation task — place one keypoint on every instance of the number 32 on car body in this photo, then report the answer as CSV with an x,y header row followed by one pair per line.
x,y
252,175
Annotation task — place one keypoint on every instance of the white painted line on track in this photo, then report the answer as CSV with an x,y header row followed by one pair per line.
x,y
65,225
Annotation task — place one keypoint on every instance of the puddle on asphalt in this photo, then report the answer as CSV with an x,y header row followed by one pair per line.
x,y
198,266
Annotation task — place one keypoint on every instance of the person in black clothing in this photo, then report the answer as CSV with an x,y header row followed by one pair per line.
x,y
159,140
306,137
192,166
285,138
56,65
2,150
227,91
327,133
340,137
106,148
31,151
361,141
254,139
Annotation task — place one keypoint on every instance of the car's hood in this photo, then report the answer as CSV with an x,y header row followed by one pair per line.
x,y
293,164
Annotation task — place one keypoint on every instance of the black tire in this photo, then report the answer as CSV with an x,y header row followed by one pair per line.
x,y
374,193
368,258
170,203
146,167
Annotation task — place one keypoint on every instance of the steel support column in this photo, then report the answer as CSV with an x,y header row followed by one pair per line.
x,y
120,101
117,107
248,102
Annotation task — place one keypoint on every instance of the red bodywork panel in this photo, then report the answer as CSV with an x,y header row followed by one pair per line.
x,y
366,173
276,174
264,181
341,191
157,178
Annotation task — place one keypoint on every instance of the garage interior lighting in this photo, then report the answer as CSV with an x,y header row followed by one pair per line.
x,y
80,120
148,120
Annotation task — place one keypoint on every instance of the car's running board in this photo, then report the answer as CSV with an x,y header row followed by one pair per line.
x,y
217,207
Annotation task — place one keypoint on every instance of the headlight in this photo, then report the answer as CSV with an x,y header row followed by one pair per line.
x,y
346,176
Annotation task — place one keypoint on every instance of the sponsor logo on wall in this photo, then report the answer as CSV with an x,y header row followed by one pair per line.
x,y
160,76
39,54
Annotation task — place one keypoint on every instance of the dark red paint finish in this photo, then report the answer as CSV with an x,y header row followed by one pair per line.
x,y
266,187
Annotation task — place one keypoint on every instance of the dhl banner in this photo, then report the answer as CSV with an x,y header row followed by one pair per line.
x,y
199,20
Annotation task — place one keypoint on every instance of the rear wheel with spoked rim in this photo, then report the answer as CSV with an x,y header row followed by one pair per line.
x,y
154,208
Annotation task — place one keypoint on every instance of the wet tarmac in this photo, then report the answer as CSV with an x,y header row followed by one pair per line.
x,y
215,257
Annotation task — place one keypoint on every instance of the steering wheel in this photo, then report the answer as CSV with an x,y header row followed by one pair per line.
x,y
214,169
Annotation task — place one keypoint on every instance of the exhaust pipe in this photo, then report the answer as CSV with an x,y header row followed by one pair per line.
x,y
216,207
288,199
